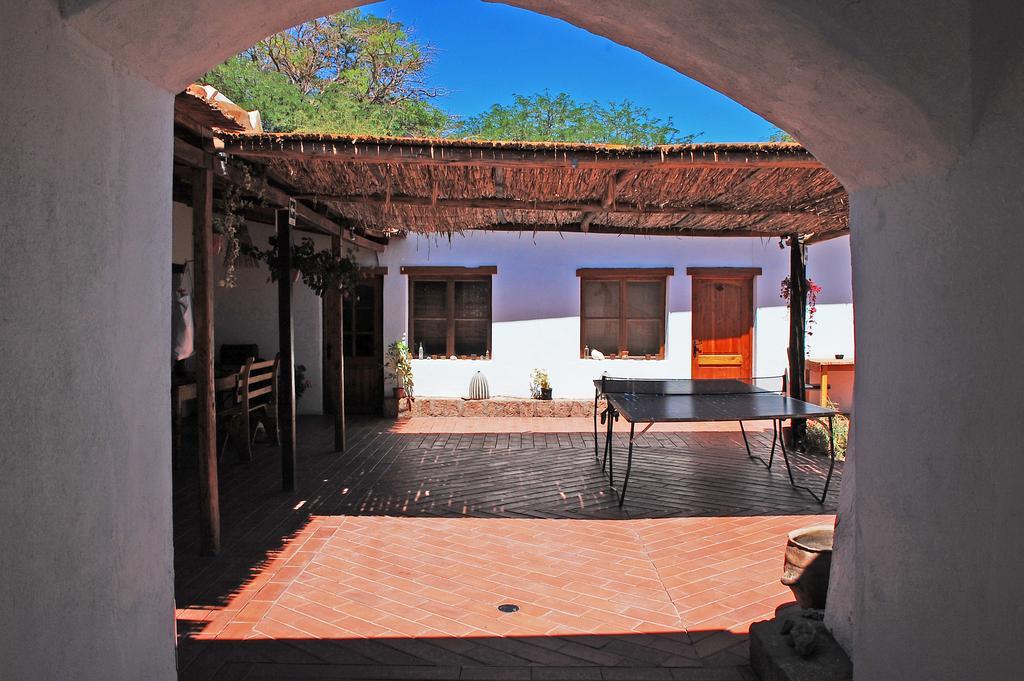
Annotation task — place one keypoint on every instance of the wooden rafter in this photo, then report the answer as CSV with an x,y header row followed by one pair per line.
x,y
575,228
412,152
487,203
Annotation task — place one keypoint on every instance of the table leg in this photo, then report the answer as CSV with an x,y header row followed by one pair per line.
x,y
746,443
629,464
831,465
596,396
785,456
609,446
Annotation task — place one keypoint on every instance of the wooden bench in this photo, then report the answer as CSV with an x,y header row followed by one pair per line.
x,y
256,392
182,394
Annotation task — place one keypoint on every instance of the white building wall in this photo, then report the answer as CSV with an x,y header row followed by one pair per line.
x,y
536,303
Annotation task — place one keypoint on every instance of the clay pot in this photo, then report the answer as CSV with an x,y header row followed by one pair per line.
x,y
545,393
218,243
400,393
807,566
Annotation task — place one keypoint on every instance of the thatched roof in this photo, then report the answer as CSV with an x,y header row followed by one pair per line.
x,y
202,109
394,185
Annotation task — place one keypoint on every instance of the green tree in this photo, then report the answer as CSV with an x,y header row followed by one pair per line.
x,y
347,73
282,106
781,135
561,118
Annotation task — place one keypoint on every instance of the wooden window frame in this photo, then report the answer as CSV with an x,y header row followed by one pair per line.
x,y
450,275
624,276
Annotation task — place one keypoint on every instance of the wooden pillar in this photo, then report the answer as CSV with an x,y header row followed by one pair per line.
x,y
797,326
286,334
336,345
202,239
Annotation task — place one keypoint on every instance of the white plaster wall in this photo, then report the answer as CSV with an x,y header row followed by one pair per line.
x,y
536,301
85,248
939,472
247,313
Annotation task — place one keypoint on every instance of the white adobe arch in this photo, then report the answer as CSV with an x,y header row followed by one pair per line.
x,y
917,106
795,62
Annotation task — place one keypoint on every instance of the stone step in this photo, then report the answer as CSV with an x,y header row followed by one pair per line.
x,y
501,406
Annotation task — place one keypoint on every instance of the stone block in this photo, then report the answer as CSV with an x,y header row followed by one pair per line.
x,y
774,658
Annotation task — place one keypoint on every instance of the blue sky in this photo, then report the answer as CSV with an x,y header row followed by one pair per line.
x,y
487,52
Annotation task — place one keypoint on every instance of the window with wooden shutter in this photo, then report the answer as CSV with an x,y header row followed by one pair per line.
x,y
450,311
623,311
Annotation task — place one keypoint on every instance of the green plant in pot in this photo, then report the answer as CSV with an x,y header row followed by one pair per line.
x,y
540,384
400,365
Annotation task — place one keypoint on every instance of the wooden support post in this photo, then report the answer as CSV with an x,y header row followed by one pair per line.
x,y
797,327
336,337
206,406
286,334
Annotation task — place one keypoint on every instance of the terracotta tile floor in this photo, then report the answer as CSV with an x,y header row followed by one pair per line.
x,y
389,561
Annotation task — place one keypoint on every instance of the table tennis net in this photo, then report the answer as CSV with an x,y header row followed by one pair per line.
x,y
688,386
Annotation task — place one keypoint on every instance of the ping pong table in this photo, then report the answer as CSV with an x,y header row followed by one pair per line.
x,y
647,401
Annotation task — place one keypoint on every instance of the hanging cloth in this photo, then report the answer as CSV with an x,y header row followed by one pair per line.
x,y
182,328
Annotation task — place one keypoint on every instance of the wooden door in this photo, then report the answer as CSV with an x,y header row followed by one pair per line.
x,y
723,322
363,347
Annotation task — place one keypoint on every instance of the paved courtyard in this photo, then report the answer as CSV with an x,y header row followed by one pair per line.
x,y
390,560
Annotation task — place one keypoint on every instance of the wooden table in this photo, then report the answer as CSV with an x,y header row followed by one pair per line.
x,y
826,367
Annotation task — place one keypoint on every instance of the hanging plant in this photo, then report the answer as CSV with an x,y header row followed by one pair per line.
x,y
231,220
320,270
786,293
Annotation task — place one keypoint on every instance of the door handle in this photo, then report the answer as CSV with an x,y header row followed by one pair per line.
x,y
696,347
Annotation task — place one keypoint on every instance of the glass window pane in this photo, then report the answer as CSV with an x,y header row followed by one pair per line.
x,y
430,299
643,338
364,295
433,335
600,298
364,319
471,338
472,300
644,299
602,335
364,345
347,345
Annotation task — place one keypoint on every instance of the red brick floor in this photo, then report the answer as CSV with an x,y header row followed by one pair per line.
x,y
390,560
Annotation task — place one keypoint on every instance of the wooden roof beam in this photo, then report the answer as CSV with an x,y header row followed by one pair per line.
x,y
574,228
268,146
558,206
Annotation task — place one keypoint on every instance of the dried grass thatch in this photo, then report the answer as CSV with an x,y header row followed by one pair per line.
x,y
394,185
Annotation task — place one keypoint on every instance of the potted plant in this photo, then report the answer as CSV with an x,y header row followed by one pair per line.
x,y
400,364
540,384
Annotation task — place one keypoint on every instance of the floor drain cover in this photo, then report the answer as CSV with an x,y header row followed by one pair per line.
x,y
508,607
